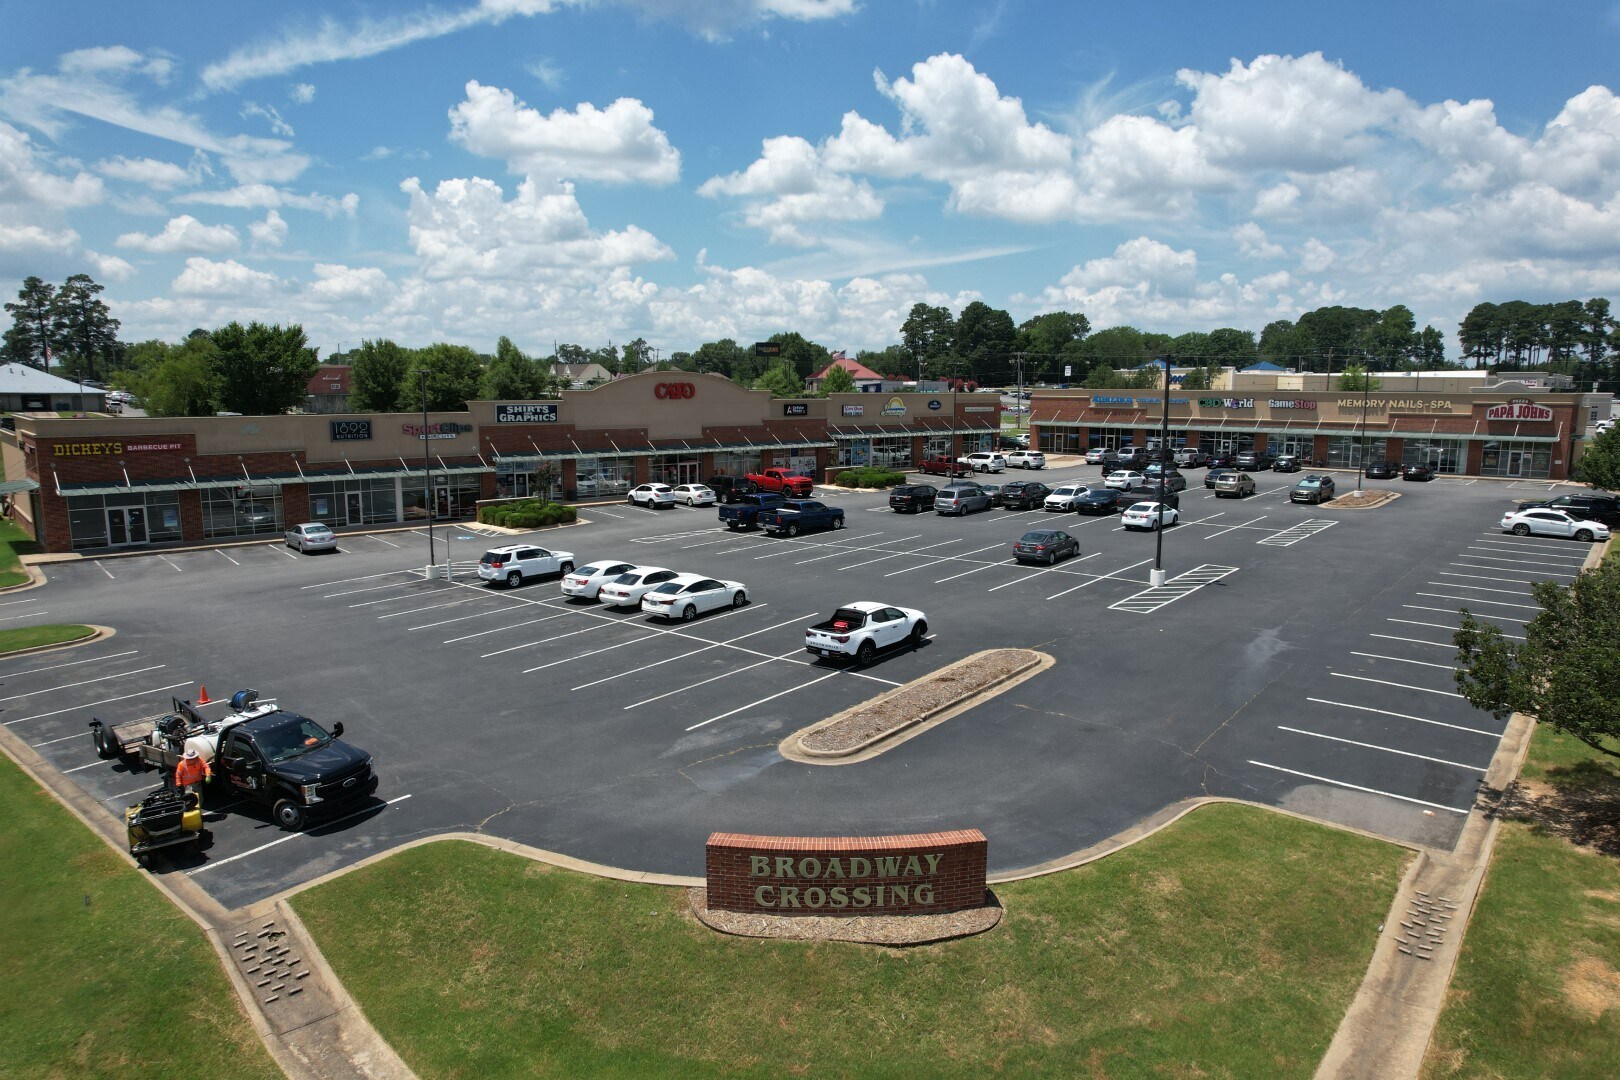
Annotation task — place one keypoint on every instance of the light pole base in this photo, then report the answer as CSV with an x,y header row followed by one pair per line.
x,y
1156,578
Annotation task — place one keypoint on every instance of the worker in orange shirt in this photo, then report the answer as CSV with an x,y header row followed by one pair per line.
x,y
192,771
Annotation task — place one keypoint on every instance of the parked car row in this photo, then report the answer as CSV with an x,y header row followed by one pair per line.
x,y
658,591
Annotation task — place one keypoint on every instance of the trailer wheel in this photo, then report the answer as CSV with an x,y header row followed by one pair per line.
x,y
104,750
289,815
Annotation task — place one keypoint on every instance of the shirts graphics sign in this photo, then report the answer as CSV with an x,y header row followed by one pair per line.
x,y
544,412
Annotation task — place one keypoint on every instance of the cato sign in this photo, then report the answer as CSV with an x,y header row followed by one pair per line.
x,y
674,391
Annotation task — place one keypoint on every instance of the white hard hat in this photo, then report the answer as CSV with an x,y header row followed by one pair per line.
x,y
191,752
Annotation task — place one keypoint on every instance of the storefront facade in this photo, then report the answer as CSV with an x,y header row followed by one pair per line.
x,y
1509,434
113,483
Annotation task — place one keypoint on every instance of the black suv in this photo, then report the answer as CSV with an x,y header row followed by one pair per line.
x,y
1591,507
910,498
1257,460
1024,495
1382,470
1418,471
730,489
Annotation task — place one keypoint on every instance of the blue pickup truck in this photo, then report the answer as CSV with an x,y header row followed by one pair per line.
x,y
746,511
799,515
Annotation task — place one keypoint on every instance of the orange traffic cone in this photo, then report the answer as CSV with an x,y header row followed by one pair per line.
x,y
202,696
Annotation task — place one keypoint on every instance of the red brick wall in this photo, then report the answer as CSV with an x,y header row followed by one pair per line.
x,y
846,876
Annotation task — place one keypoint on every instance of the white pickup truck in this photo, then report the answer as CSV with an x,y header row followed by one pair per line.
x,y
858,631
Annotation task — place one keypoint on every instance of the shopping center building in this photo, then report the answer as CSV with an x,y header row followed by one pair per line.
x,y
107,482
1504,429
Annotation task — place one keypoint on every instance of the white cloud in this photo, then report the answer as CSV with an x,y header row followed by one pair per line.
x,y
1252,242
546,70
466,227
1280,201
115,60
110,267
150,172
269,233
182,234
206,278
618,144
302,93
27,239
789,187
25,182
271,116
1315,256
338,284
263,196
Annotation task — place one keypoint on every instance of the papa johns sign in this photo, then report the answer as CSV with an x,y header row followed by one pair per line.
x,y
919,874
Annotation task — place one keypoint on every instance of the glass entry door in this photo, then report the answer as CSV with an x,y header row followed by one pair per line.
x,y
352,513
126,525
1515,463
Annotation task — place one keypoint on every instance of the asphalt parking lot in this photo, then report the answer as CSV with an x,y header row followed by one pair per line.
x,y
1298,656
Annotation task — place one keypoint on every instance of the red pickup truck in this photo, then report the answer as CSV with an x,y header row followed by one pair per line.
x,y
944,466
780,480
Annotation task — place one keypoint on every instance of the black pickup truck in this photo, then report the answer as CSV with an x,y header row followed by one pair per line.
x,y
744,514
294,766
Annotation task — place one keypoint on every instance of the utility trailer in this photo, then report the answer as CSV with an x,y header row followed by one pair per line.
x,y
162,739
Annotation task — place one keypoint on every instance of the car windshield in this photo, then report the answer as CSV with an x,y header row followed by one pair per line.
x,y
292,738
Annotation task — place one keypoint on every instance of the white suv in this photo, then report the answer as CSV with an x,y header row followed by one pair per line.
x,y
984,462
1027,459
515,562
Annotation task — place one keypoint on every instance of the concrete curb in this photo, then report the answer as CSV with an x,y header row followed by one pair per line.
x,y
100,633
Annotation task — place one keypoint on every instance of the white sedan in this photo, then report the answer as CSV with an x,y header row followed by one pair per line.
x,y
1545,521
1125,480
1095,455
1145,515
694,495
687,596
587,581
312,536
628,588
1063,497
656,496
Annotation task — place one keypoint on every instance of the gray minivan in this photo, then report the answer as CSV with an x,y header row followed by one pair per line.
x,y
961,499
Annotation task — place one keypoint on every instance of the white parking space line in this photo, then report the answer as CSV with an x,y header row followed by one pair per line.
x,y
1358,787
172,563
1476,614
430,607
1490,555
461,618
1386,749
1406,716
503,629
369,588
1537,575
380,540
650,634
386,600
362,577
1540,546
1293,535
763,700
81,768
975,570
293,836
1230,528
1478,588
289,552
36,613
1152,599
1441,626
83,682
102,566
869,562
221,553
1062,568
723,538
1403,660
694,652
1414,641
1111,576
711,679
1477,600
543,641
851,550
103,701
1477,577
937,559
1396,685
14,603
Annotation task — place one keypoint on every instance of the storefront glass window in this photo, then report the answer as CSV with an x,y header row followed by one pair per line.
x,y
891,451
242,511
937,446
1446,455
1514,458
739,462
126,520
595,476
368,500
673,469
1301,446
1344,452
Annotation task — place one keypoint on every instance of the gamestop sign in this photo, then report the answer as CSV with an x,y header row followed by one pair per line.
x,y
1519,410
919,874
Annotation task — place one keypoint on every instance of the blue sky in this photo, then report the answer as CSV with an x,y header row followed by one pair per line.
x,y
599,170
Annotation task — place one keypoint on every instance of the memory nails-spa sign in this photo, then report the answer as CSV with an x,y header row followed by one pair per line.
x,y
919,874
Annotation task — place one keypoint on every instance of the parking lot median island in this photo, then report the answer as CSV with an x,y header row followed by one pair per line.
x,y
1365,499
873,726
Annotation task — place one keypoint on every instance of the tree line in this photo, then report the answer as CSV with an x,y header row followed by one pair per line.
x,y
263,369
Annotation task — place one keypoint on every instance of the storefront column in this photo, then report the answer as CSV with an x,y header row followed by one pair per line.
x,y
1473,457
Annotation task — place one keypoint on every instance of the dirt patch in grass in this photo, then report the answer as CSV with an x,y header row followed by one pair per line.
x,y
1579,803
1591,986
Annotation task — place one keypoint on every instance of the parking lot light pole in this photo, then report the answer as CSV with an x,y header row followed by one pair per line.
x,y
427,472
1156,578
1366,389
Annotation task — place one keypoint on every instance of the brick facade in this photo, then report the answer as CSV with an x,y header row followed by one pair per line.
x,y
917,874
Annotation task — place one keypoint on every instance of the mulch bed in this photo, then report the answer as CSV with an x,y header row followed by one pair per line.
x,y
862,929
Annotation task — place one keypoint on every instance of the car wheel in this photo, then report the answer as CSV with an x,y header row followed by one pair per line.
x,y
514,579
919,633
1051,558
688,613
838,523
733,526
739,598
566,568
289,815
864,654
1521,529
1584,536
630,499
793,530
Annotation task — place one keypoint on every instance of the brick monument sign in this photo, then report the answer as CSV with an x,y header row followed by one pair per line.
x,y
920,874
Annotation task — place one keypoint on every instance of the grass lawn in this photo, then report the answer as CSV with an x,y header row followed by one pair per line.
x,y
29,637
99,975
1537,988
1228,945
13,542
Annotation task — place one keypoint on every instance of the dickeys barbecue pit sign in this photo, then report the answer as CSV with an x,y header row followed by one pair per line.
x,y
110,448
918,874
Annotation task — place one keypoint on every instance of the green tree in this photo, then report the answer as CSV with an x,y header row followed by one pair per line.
x,y
1480,335
781,380
1600,464
32,337
453,376
1229,347
1388,341
838,381
1338,334
184,381
87,332
985,337
1188,348
1596,330
513,375
262,370
1562,674
928,333
1102,376
1355,377
1121,346
377,377
1429,352
805,357
637,356
1196,379
1288,345
894,362
727,358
